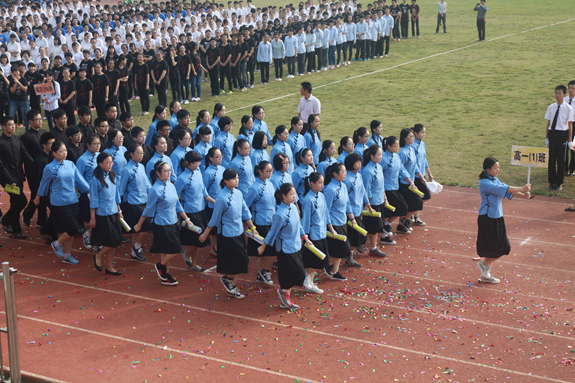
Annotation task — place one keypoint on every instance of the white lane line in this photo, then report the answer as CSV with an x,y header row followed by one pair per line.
x,y
524,242
361,341
403,64
187,352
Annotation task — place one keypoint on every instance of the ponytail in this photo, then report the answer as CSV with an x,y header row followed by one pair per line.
x,y
313,177
371,151
324,148
245,120
358,133
238,144
157,168
389,141
335,168
487,164
283,190
189,158
260,167
229,174
342,143
279,130
210,154
300,154
201,114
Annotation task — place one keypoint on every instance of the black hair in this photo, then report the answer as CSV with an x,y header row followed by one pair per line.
x,y
210,154
224,121
306,86
371,151
155,141
180,134
350,161
313,177
562,88
308,128
136,130
342,143
389,141
294,121
256,110
359,132
190,158
46,137
158,110
218,107
335,168
229,174
487,164
109,106
203,131
84,110
172,104
374,124
99,173
125,115
58,113
112,133
245,120
324,148
239,144
403,135
70,131
182,113
157,168
277,161
418,128
280,129
258,141
201,115
283,190
56,145
260,167
300,154
32,113
131,150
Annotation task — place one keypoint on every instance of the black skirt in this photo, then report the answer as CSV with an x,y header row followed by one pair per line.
x,y
414,202
337,248
209,213
84,208
395,199
191,238
270,251
312,261
492,241
232,256
423,188
132,215
373,225
290,270
166,239
354,238
107,231
65,219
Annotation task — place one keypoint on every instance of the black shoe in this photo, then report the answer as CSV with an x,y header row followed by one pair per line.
x,y
275,265
169,281
387,228
228,284
114,272
338,277
47,239
99,268
124,239
402,229
25,221
387,241
8,229
328,271
18,236
550,187
161,270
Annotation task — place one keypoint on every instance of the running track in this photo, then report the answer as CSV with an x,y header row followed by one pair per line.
x,y
417,316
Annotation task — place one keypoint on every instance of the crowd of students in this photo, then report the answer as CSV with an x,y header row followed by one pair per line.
x,y
96,55
199,186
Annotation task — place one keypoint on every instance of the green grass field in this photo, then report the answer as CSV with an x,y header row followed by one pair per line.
x,y
476,99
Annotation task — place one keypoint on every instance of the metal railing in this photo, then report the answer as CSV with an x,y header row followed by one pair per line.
x,y
11,328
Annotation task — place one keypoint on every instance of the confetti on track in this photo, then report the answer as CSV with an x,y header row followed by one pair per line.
x,y
419,315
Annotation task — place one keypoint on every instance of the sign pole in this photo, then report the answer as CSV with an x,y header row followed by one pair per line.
x,y
528,174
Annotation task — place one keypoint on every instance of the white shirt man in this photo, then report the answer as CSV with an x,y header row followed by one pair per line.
x,y
14,49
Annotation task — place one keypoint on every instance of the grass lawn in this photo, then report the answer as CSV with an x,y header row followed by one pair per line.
x,y
476,99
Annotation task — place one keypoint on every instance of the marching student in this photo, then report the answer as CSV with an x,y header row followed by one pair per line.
x,y
212,177
281,164
260,200
258,150
105,213
339,208
230,212
393,170
246,130
326,156
117,150
160,145
134,187
421,156
225,140
409,160
492,241
86,165
305,166
346,147
314,224
360,139
193,196
60,179
376,137
359,201
258,114
163,207
287,234
184,140
281,145
242,164
312,136
296,140
203,145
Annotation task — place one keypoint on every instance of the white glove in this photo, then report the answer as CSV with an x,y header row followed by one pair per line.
x,y
570,144
547,143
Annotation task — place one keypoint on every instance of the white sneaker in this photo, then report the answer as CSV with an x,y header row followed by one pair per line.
x,y
310,287
491,279
344,63
279,79
86,240
337,66
185,102
197,99
484,270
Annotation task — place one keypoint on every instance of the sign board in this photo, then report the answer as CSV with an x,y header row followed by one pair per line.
x,y
528,156
41,89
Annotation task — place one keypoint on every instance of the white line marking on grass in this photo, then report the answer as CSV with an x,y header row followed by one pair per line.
x,y
190,353
403,64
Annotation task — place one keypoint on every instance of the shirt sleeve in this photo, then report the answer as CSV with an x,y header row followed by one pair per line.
x,y
94,195
274,229
306,215
497,188
150,209
328,194
245,211
45,182
217,214
80,181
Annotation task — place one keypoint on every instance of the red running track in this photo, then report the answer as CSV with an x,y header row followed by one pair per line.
x,y
417,316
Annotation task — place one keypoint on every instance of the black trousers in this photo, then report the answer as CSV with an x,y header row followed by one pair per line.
x,y
310,57
441,19
405,27
278,65
100,105
339,48
35,103
386,41
558,140
301,63
396,32
414,24
265,72
572,162
176,86
226,73
161,89
318,55
123,99
144,98
349,48
252,68
12,216
31,209
214,72
291,65
481,29
69,108
379,46
360,47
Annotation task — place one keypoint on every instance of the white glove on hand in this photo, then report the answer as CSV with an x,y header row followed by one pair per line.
x,y
570,144
547,143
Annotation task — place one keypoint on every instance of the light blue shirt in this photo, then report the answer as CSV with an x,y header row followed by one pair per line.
x,y
325,41
299,175
409,161
245,169
278,49
290,46
176,157
229,212
173,121
318,38
351,32
134,184
375,140
393,169
286,230
202,149
341,158
310,39
263,126
196,131
300,47
86,165
388,24
357,193
313,144
340,35
215,127
314,218
119,160
374,180
61,181
337,202
296,142
322,166
280,178
225,142
160,157
260,199
264,53
421,155
492,191
151,132
283,147
163,204
212,177
375,30
104,199
332,36
249,137
361,29
259,155
190,187
360,148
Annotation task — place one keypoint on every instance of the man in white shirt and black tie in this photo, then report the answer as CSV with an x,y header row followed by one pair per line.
x,y
558,135
570,99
